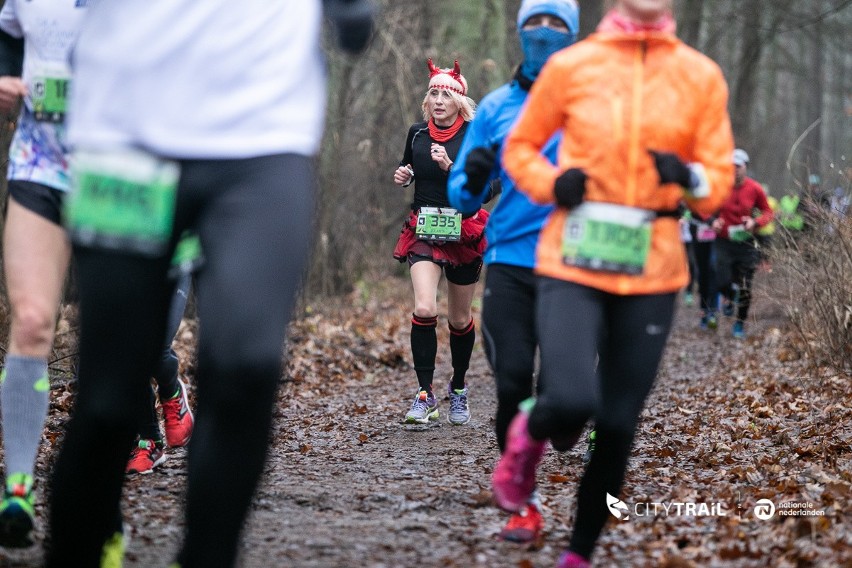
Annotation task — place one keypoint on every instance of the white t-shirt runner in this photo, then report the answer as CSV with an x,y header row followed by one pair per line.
x,y
49,28
209,79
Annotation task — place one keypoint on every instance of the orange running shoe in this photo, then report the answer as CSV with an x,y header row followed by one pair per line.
x,y
524,527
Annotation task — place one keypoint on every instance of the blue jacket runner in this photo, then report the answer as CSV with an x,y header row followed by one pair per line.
x,y
512,230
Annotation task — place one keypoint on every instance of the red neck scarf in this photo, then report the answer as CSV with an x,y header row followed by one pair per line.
x,y
439,134
616,21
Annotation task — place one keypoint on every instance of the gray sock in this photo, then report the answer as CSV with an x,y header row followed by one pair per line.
x,y
24,400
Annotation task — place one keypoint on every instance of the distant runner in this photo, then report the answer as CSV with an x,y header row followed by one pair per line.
x,y
435,240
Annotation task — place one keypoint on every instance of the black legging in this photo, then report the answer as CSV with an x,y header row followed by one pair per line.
x,y
253,218
576,324
508,331
703,253
166,374
736,264
691,264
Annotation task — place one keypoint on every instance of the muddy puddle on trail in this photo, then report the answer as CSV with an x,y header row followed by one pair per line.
x,y
348,484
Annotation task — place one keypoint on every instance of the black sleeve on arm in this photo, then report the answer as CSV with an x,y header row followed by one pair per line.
x,y
408,155
11,55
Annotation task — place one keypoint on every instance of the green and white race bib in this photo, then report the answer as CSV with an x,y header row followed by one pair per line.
x,y
49,93
608,238
441,224
122,200
738,233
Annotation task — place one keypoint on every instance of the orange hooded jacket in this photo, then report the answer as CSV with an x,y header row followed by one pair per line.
x,y
617,95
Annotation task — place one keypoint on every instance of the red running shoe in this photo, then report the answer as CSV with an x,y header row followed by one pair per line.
x,y
145,457
177,417
513,480
524,527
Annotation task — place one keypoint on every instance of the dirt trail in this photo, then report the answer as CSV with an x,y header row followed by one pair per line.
x,y
347,484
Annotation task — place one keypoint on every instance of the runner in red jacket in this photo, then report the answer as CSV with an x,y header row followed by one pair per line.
x,y
736,248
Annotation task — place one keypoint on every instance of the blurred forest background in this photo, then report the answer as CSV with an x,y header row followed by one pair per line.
x,y
788,66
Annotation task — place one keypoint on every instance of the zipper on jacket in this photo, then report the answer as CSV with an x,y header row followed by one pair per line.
x,y
633,148
617,107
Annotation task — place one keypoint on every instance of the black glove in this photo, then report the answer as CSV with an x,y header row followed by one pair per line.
x,y
672,169
480,162
353,20
570,187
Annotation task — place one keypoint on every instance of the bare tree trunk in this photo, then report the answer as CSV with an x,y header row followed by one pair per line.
x,y
476,30
744,84
769,51
690,17
814,94
591,12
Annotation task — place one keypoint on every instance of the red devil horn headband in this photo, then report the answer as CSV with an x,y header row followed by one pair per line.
x,y
457,85
432,69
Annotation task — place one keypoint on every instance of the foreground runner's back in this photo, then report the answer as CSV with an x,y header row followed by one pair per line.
x,y
202,116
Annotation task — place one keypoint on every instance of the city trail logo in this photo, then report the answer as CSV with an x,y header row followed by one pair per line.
x,y
620,510
764,509
616,506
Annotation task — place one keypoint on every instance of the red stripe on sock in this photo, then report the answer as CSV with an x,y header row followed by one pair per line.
x,y
425,322
463,331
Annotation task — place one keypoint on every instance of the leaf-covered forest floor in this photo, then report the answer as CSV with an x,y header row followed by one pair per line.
x,y
730,422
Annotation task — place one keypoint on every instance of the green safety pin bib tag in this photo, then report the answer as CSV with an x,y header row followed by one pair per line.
x,y
608,238
49,93
188,256
122,200
438,224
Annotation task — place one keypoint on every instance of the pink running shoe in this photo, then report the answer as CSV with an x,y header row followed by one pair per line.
x,y
572,560
513,480
177,418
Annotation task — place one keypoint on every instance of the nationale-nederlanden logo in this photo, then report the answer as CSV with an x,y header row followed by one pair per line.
x,y
764,509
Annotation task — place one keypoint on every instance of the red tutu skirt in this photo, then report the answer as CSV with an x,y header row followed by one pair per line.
x,y
465,251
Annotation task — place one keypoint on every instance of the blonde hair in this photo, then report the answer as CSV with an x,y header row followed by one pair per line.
x,y
467,107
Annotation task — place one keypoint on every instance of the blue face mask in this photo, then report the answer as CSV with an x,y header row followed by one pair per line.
x,y
538,44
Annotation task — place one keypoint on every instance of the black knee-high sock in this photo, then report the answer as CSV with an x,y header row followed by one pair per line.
x,y
167,375
461,346
424,348
150,428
